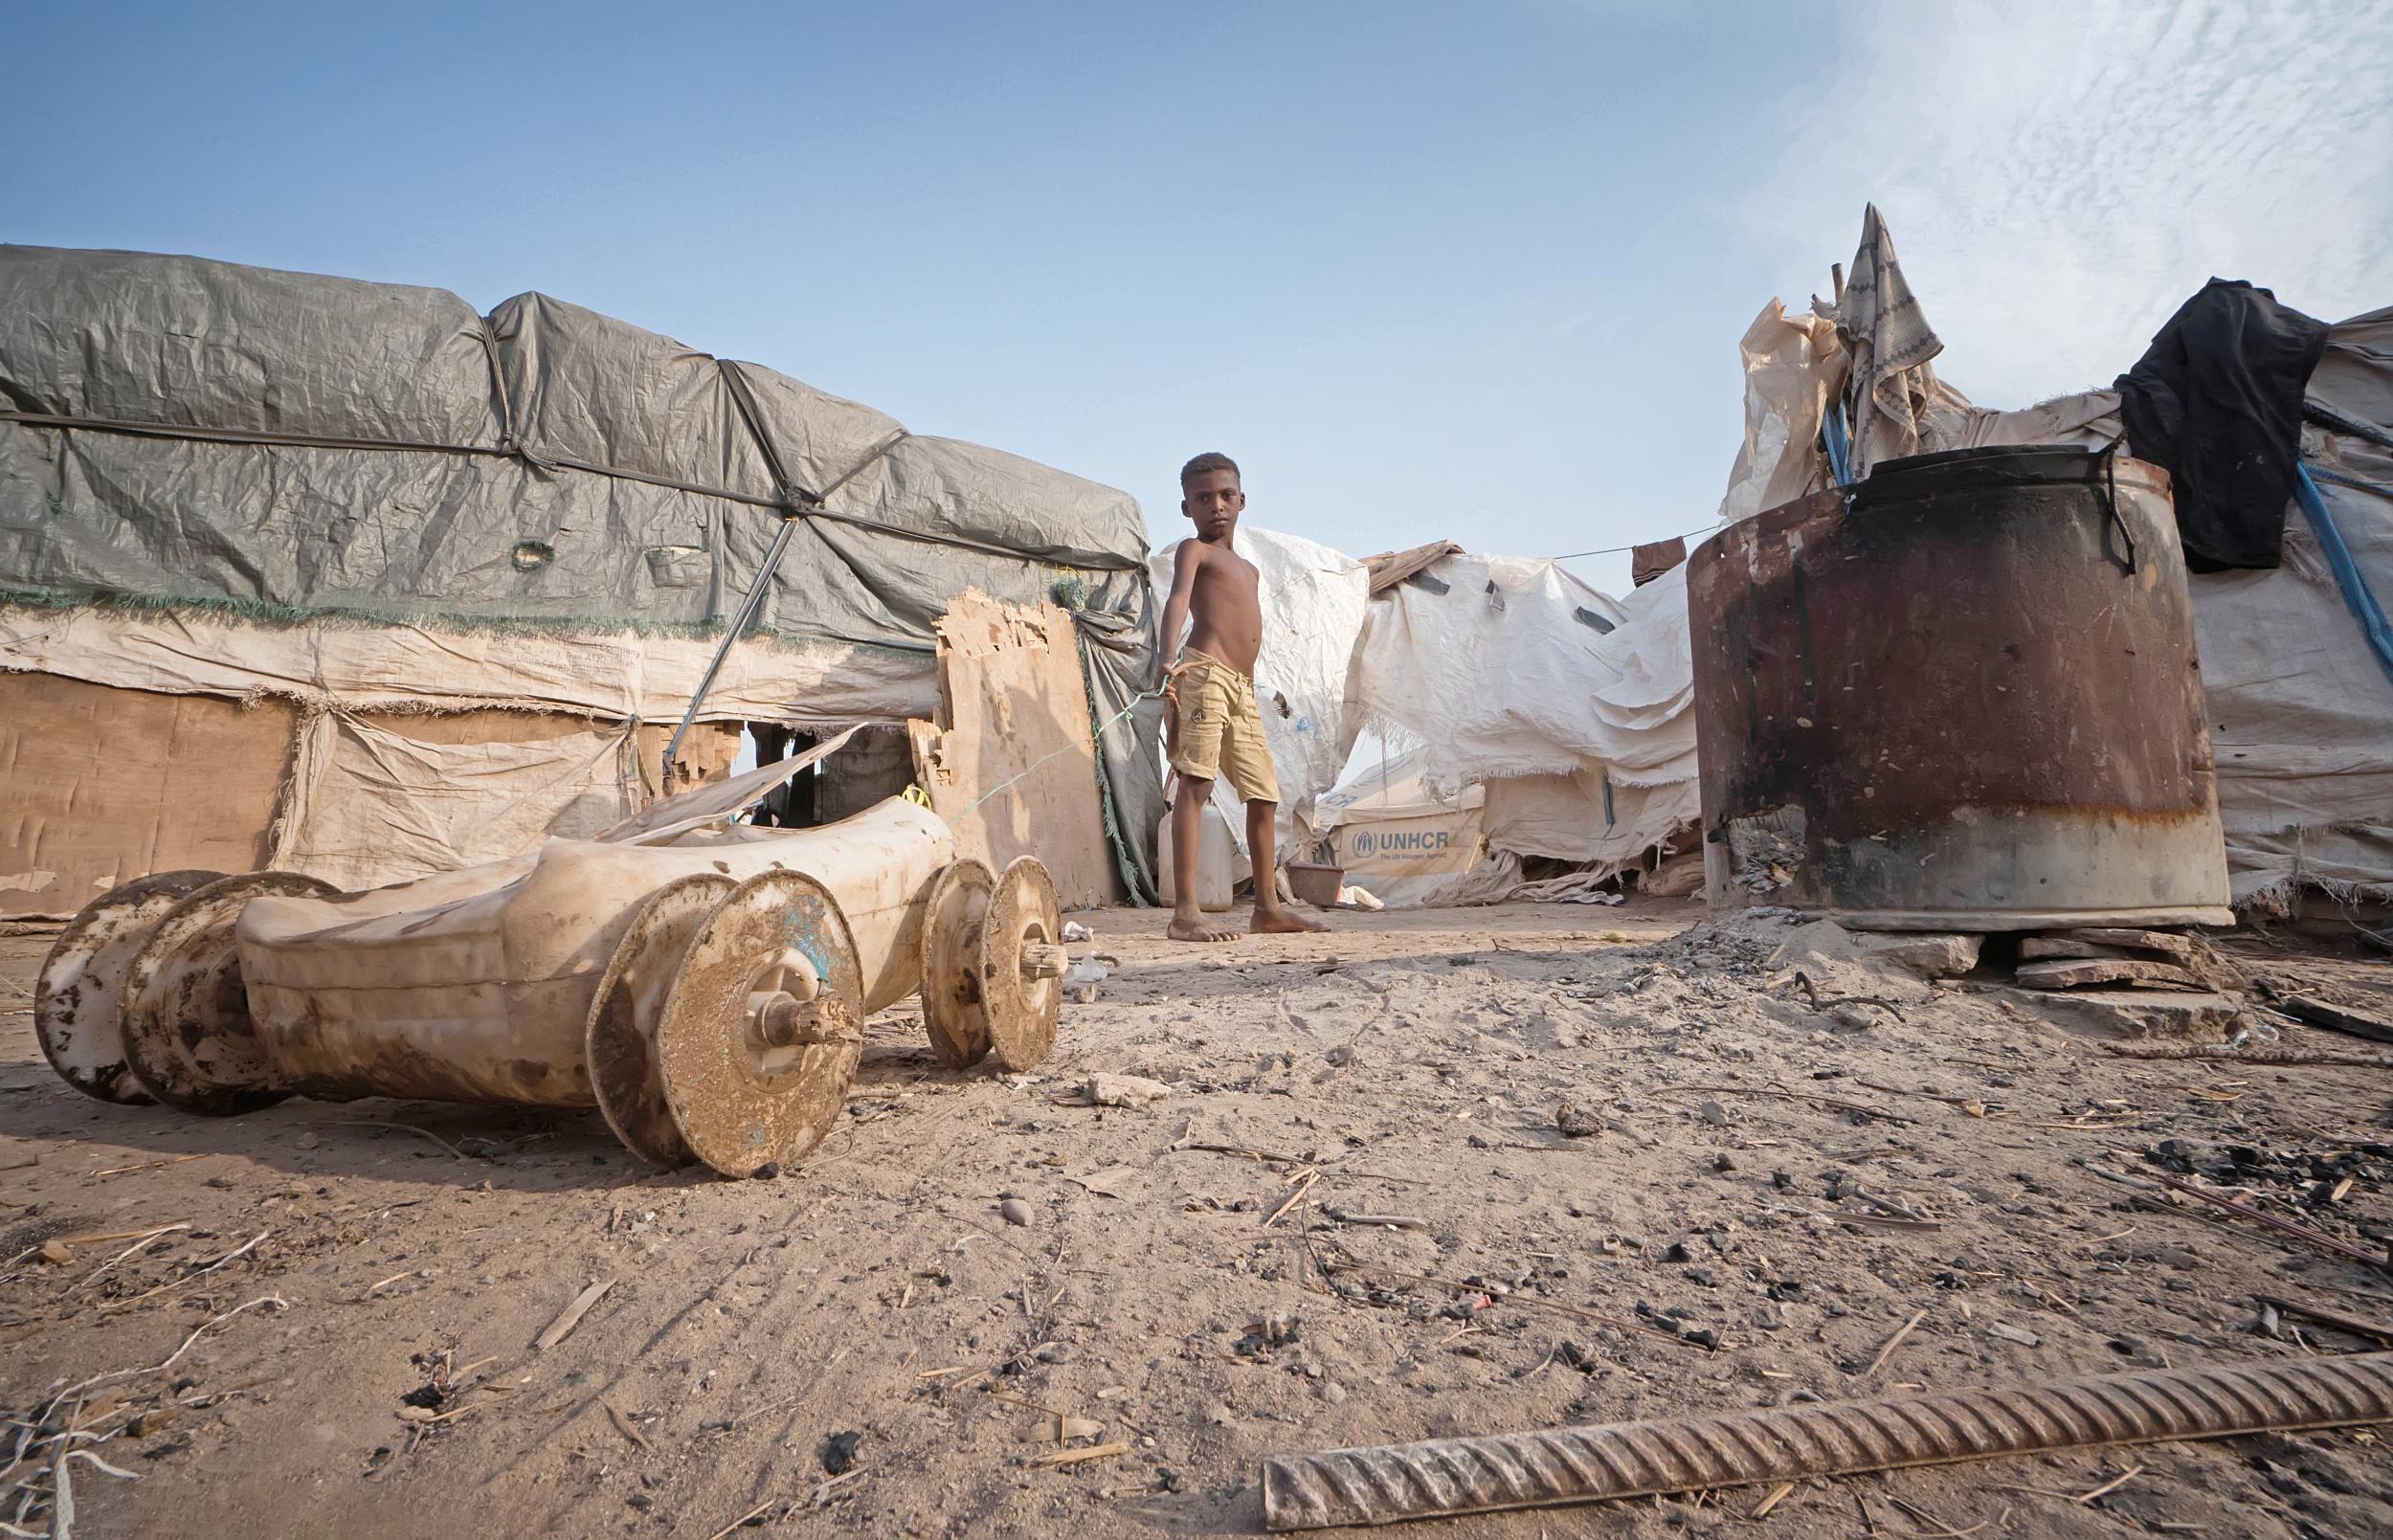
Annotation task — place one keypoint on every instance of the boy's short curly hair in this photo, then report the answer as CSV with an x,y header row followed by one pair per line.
x,y
1211,459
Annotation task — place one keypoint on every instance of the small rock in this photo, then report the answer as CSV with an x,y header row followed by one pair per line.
x,y
838,1453
1333,1391
1703,1337
1575,1121
2012,1333
307,1139
1722,1163
1713,1113
1015,1212
57,1252
1123,1090
416,1414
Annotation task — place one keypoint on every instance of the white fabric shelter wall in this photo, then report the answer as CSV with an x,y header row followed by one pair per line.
x,y
1520,676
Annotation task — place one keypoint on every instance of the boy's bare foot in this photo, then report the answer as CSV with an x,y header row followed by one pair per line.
x,y
1279,921
1197,927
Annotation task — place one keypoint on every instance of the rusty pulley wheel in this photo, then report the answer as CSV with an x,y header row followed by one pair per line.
x,y
185,1024
1021,964
80,994
763,1025
952,916
619,1038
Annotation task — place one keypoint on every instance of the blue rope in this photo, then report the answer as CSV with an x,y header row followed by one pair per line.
x,y
2348,576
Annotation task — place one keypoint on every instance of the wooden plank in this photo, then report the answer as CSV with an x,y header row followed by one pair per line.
x,y
2335,1017
1009,760
2170,943
2070,976
2039,949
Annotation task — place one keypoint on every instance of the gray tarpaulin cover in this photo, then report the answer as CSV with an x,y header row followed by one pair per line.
x,y
186,432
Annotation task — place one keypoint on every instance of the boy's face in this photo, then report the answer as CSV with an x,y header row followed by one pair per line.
x,y
1213,502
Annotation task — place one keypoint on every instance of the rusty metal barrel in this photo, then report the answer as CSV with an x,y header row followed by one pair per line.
x,y
1958,695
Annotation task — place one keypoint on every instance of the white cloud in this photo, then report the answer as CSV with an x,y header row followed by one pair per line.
x,y
2058,177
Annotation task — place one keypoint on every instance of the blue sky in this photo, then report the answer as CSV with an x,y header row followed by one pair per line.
x,y
1427,270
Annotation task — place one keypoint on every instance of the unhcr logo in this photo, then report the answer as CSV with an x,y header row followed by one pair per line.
x,y
1412,842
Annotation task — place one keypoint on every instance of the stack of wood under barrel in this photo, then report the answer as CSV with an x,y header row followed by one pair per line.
x,y
2113,957
2116,957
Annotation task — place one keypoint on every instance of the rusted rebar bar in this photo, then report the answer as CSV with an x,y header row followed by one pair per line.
x,y
1441,1477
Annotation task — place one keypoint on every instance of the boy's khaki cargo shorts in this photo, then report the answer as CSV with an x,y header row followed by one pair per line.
x,y
1215,729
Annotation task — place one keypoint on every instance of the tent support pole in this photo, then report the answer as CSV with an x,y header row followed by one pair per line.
x,y
740,622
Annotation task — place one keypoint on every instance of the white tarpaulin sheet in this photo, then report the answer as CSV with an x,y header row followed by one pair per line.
x,y
365,666
1570,707
365,806
1313,600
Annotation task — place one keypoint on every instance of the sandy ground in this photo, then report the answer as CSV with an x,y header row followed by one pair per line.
x,y
1406,1065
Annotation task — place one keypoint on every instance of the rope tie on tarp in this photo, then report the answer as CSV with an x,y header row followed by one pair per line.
x,y
752,603
786,499
2108,454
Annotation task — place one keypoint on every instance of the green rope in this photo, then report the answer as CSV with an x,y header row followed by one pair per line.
x,y
262,613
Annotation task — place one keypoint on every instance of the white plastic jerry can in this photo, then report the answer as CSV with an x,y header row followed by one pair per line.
x,y
1220,865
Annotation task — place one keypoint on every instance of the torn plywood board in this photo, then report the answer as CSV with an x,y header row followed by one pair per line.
x,y
1009,760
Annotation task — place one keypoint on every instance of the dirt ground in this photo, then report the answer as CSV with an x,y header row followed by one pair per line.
x,y
1752,1161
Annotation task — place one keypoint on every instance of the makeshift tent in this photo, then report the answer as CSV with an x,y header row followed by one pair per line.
x,y
1397,839
344,576
1571,708
2297,661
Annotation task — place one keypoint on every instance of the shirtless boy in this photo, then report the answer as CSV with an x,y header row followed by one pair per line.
x,y
1214,727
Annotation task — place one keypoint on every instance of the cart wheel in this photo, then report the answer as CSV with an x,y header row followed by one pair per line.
x,y
953,1014
1021,964
763,1025
619,1038
81,987
184,1021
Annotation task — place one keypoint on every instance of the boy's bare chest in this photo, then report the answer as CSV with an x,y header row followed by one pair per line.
x,y
1228,579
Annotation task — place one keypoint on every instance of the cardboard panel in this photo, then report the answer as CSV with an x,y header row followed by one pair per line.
x,y
1011,761
99,786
